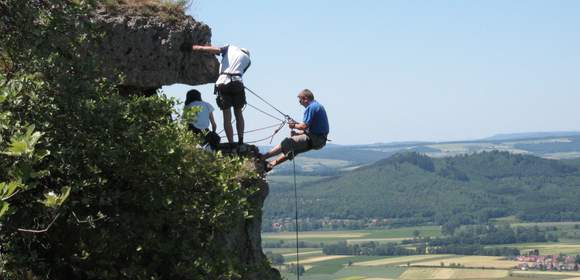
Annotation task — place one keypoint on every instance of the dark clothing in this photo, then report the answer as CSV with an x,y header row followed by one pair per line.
x,y
232,94
209,137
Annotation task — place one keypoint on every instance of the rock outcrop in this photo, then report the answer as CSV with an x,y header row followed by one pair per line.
x,y
151,52
244,239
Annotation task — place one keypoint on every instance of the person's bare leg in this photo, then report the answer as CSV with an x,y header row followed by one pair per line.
x,y
228,125
273,152
279,160
239,124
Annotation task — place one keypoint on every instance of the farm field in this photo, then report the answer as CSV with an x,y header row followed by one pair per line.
x,y
354,236
421,267
284,251
402,260
389,273
321,267
471,262
550,248
452,273
567,275
546,224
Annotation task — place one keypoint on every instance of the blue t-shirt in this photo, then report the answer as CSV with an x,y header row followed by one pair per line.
x,y
315,118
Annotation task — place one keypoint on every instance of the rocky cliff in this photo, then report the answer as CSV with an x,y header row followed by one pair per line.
x,y
244,239
151,51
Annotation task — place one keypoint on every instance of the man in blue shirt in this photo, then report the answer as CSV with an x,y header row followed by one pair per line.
x,y
311,134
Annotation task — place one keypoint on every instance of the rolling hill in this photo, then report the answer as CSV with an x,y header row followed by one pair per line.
x,y
334,159
412,188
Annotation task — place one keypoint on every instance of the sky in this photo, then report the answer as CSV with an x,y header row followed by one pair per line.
x,y
405,70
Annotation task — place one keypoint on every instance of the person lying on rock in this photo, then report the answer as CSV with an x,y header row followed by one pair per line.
x,y
311,132
229,85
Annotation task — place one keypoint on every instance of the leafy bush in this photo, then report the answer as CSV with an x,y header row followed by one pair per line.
x,y
94,185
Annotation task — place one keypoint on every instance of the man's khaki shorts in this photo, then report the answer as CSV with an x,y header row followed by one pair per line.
x,y
302,143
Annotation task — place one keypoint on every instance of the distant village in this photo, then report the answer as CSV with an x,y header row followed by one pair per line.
x,y
549,262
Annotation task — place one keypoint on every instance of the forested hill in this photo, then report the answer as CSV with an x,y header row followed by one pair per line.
x,y
334,159
411,188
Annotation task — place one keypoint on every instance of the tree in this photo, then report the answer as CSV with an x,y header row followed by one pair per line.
x,y
416,234
94,185
296,269
278,260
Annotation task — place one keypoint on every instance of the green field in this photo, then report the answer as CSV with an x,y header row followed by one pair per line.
x,y
340,269
378,235
289,250
549,248
335,270
321,267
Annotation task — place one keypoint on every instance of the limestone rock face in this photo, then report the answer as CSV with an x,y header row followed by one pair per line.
x,y
244,239
151,52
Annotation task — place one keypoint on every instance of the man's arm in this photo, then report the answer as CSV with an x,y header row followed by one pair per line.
x,y
207,49
297,125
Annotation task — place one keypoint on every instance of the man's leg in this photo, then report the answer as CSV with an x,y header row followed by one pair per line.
x,y
239,124
290,147
274,151
279,160
228,125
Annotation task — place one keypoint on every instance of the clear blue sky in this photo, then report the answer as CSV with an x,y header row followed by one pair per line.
x,y
407,70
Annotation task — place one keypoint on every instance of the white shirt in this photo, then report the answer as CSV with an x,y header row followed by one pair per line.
x,y
234,61
202,120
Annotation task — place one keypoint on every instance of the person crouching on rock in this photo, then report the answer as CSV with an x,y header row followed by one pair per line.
x,y
311,134
203,119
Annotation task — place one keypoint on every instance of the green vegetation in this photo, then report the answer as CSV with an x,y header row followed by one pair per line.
x,y
323,162
412,189
168,10
327,271
94,185
333,266
353,236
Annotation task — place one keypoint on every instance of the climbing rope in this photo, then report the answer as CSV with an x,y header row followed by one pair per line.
x,y
271,137
265,113
259,97
296,210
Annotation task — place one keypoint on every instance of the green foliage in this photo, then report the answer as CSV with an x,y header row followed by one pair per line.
x,y
411,189
94,185
168,10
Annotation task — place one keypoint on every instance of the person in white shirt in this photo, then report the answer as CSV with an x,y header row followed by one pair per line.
x,y
229,85
203,118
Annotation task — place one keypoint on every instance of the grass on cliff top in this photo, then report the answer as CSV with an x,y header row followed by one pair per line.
x,y
169,10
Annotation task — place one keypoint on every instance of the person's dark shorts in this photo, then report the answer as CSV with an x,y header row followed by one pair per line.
x,y
230,95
